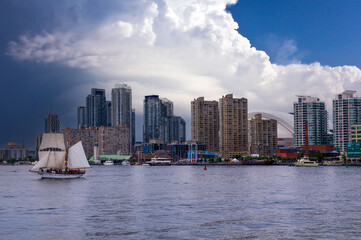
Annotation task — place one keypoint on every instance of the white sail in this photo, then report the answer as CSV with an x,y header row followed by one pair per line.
x,y
43,162
56,160
76,157
52,140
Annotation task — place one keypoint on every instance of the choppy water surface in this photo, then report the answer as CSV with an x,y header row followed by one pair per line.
x,y
183,202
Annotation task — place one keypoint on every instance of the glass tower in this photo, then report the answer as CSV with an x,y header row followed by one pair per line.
x,y
311,110
346,112
96,108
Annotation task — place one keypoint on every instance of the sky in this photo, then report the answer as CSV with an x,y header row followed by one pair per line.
x,y
268,51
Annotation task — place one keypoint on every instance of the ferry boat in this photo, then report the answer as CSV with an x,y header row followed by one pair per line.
x,y
159,162
306,162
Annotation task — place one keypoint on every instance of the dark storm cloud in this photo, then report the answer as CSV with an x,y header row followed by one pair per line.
x,y
29,90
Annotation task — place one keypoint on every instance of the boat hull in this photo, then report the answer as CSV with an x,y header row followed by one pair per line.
x,y
306,165
60,175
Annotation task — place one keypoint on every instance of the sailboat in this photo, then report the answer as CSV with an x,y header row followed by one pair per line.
x,y
59,162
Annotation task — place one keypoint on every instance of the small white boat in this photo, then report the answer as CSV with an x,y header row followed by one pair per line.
x,y
126,163
306,162
108,163
145,164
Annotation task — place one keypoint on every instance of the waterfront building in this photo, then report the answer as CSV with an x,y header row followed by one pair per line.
x,y
111,140
154,146
81,117
233,122
311,110
96,113
183,151
52,123
13,151
354,145
205,123
346,112
262,135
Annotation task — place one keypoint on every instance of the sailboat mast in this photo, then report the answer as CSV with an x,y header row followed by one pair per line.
x,y
67,149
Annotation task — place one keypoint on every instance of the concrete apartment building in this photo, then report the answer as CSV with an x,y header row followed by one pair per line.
x,y
205,123
346,112
111,140
233,122
262,135
13,151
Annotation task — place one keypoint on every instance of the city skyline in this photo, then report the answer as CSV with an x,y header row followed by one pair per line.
x,y
53,53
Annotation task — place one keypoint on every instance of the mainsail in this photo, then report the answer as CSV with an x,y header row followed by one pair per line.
x,y
76,157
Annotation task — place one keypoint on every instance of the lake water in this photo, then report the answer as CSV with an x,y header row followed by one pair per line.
x,y
183,202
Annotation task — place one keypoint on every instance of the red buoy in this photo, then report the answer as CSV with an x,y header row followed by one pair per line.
x,y
205,167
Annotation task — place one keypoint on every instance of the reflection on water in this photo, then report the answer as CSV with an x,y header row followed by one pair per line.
x,y
183,202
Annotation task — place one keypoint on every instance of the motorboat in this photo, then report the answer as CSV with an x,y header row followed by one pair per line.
x,y
108,163
306,162
126,163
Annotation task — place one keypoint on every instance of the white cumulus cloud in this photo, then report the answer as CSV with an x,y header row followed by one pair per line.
x,y
183,49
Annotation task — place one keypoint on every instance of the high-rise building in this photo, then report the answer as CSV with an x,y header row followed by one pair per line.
x,y
346,112
52,123
96,108
133,130
153,120
122,108
81,117
159,121
205,123
262,135
108,107
233,122
311,110
177,130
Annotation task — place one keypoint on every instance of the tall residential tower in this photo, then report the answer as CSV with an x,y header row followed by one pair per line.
x,y
205,123
233,122
346,112
96,111
262,135
122,109
311,110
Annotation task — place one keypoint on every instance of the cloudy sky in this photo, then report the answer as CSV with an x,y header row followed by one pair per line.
x,y
269,51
